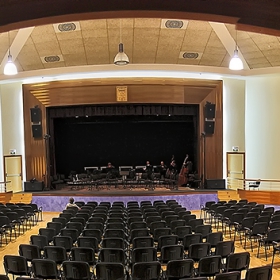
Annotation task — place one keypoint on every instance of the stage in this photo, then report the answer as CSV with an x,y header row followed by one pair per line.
x,y
55,200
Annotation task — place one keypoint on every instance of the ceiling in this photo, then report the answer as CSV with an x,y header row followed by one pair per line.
x,y
146,41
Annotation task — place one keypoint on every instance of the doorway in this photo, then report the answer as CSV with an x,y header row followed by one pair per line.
x,y
235,170
13,172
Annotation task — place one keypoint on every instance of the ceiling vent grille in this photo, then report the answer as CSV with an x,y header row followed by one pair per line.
x,y
52,58
174,24
190,55
66,27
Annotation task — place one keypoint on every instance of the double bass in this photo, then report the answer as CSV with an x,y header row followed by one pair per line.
x,y
183,179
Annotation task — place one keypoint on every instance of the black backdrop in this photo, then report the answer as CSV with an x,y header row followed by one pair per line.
x,y
122,140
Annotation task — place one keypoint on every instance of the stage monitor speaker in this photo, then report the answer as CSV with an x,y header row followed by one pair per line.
x,y
209,127
215,184
36,115
210,111
33,186
37,131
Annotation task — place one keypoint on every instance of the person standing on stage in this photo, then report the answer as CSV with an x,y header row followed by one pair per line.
x,y
162,169
148,169
172,170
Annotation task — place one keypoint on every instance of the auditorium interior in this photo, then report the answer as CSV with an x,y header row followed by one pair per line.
x,y
132,110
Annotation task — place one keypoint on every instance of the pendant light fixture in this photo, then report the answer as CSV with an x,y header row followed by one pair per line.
x,y
121,57
236,62
10,68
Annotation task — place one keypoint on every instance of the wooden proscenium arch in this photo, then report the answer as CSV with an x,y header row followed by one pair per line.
x,y
140,91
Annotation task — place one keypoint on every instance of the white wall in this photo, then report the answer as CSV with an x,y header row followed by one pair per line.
x,y
262,126
233,117
12,122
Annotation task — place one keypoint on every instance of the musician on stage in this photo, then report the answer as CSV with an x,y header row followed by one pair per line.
x,y
148,169
172,170
110,169
162,169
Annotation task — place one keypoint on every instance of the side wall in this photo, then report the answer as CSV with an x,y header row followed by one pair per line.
x,y
12,123
234,117
262,128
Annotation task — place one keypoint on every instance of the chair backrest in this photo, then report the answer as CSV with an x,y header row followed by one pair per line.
x,y
214,237
209,266
55,225
233,275
112,255
40,240
259,273
146,254
61,220
237,261
29,251
48,232
63,241
181,231
88,241
203,229
16,265
146,271
141,242
177,269
113,242
224,248
73,233
110,271
45,269
84,254
76,270
93,233
194,223
140,232
171,252
55,253
191,239
198,251
165,240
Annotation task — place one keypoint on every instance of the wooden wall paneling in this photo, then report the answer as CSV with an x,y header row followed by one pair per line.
x,y
34,148
213,143
261,197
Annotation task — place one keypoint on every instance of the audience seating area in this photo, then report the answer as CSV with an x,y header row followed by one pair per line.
x,y
16,219
159,240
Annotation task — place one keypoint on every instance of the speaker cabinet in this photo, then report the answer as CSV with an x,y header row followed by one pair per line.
x,y
33,186
210,111
36,115
216,184
37,131
209,127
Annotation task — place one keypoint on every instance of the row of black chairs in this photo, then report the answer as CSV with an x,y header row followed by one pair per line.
x,y
252,221
15,219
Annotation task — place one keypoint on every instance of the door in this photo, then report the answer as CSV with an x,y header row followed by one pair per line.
x,y
235,170
13,173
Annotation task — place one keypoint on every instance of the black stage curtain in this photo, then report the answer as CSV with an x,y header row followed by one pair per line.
x,y
122,134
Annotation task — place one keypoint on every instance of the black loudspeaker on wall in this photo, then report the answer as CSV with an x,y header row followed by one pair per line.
x,y
37,131
36,115
210,110
209,127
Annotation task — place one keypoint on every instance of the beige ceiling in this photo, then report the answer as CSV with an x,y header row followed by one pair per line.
x,y
146,41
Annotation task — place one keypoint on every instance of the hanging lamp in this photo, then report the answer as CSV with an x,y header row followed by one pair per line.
x,y
121,57
10,68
